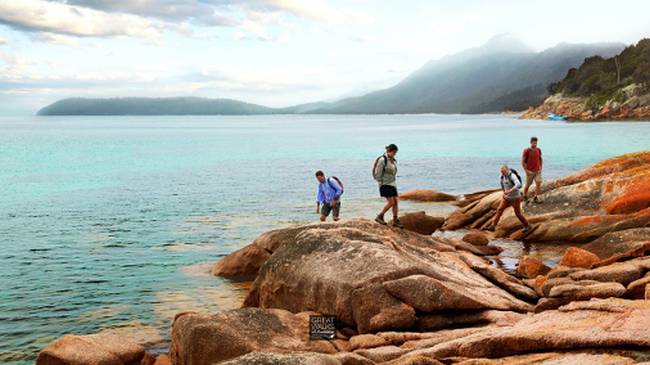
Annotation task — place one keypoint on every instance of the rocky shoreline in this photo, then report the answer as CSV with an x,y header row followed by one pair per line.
x,y
633,103
409,297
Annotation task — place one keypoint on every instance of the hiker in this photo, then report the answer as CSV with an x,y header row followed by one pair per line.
x,y
531,161
384,172
510,184
328,197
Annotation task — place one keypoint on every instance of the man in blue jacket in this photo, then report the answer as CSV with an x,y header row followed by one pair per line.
x,y
328,197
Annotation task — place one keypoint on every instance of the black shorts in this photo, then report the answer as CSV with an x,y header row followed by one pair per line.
x,y
387,191
326,208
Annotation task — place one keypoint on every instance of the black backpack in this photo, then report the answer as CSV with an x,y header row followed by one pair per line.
x,y
513,171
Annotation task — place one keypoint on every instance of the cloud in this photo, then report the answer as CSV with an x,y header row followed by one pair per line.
x,y
3,41
60,18
252,19
317,10
55,38
221,12
204,12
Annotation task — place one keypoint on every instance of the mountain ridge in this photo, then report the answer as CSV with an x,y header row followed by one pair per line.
x,y
502,74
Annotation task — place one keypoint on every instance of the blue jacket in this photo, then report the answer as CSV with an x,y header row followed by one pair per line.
x,y
328,191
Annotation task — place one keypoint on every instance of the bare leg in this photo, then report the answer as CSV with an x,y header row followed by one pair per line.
x,y
389,204
395,208
322,218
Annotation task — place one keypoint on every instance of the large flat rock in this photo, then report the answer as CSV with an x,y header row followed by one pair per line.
x,y
374,278
95,349
608,323
204,338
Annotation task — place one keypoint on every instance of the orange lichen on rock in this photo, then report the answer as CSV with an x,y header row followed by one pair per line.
x,y
589,220
577,257
634,196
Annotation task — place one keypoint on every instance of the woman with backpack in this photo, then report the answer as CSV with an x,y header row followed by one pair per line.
x,y
512,197
385,172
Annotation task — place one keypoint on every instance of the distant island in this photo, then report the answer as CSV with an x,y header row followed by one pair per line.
x,y
501,75
615,88
153,106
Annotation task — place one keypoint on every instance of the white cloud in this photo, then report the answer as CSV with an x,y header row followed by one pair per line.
x,y
261,20
3,41
39,15
56,38
318,10
216,13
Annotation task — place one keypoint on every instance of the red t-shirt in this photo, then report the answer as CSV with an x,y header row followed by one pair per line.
x,y
532,159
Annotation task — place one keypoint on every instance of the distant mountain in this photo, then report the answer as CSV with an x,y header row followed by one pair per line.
x,y
598,76
153,106
503,74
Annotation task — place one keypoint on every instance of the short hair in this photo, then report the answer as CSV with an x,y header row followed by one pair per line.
x,y
320,173
392,147
533,139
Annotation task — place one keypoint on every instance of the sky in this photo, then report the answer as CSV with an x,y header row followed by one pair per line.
x,y
272,52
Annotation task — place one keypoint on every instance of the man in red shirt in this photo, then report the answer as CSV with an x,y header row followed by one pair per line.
x,y
531,161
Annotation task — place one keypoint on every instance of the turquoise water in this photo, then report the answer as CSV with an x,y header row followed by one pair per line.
x,y
111,222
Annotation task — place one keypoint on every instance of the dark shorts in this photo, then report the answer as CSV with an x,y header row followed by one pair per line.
x,y
326,208
387,191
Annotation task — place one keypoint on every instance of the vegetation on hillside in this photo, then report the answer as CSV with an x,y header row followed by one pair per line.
x,y
602,78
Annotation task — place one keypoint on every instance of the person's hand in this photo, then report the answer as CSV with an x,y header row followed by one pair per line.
x,y
333,203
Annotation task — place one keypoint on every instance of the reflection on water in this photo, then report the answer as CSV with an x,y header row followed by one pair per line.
x,y
549,254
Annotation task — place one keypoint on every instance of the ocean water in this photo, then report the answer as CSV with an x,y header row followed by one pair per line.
x,y
113,222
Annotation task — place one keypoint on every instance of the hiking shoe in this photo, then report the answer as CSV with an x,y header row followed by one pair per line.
x,y
379,219
527,229
537,200
397,224
491,228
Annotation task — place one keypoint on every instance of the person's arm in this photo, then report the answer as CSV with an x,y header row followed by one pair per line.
x,y
517,182
320,197
523,158
541,161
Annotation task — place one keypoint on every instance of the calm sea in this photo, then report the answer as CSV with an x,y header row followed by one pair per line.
x,y
112,222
